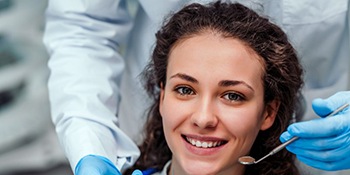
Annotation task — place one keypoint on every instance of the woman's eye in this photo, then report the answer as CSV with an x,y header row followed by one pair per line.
x,y
184,91
233,97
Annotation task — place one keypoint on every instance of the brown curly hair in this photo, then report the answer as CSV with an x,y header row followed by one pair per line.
x,y
282,78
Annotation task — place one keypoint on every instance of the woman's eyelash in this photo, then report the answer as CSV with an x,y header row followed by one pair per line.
x,y
184,90
231,96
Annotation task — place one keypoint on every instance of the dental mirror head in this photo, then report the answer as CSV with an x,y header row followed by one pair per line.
x,y
246,160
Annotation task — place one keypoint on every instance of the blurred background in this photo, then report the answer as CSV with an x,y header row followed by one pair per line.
x,y
28,143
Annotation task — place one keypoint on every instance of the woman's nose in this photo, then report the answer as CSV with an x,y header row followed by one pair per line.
x,y
204,115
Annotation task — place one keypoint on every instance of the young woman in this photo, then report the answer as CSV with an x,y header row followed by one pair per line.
x,y
225,82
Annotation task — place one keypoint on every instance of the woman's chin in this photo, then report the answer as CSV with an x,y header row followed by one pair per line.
x,y
200,169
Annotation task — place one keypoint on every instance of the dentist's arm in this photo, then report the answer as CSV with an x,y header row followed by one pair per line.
x,y
323,143
83,39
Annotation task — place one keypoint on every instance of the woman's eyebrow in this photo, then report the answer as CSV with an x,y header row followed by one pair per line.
x,y
185,77
226,83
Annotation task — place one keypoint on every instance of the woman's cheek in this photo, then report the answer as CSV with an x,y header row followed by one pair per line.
x,y
242,123
172,111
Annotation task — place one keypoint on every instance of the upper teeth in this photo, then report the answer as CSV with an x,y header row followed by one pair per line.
x,y
202,144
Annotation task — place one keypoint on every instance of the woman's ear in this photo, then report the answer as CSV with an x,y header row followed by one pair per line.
x,y
270,114
161,98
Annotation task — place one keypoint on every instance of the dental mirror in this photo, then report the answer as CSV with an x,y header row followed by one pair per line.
x,y
248,160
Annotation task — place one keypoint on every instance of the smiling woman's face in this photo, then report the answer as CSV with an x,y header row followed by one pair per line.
x,y
212,104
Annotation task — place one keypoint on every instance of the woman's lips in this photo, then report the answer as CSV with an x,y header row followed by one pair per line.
x,y
203,145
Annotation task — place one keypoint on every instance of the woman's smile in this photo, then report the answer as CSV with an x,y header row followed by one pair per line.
x,y
203,145
204,142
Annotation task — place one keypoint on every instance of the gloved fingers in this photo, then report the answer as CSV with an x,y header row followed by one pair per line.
x,y
323,107
318,144
332,155
328,165
95,165
137,172
285,136
331,148
324,127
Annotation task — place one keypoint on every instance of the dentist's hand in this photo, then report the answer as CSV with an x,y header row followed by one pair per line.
x,y
323,143
95,165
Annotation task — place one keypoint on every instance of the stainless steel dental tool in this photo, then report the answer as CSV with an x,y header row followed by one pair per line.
x,y
248,160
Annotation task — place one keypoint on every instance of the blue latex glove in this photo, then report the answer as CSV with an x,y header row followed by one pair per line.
x,y
95,165
323,143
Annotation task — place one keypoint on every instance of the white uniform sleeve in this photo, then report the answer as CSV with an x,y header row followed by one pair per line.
x,y
82,38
